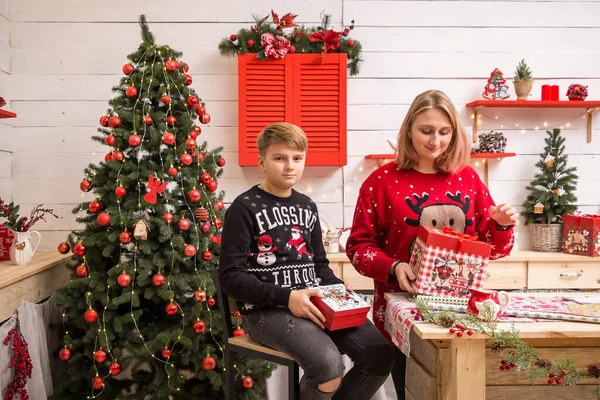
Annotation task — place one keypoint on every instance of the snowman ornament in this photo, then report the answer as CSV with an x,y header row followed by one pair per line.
x,y
266,255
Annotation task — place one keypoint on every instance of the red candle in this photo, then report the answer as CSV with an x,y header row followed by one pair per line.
x,y
554,93
546,92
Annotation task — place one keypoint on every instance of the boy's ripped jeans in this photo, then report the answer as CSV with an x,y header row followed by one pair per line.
x,y
317,351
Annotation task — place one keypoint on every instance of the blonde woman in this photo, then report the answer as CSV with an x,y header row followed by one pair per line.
x,y
430,184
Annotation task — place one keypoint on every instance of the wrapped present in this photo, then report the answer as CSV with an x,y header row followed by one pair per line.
x,y
6,239
581,234
448,263
341,308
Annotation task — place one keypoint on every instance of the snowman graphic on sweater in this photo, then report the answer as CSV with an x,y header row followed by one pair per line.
x,y
266,255
297,242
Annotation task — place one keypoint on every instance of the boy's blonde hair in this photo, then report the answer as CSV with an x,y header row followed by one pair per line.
x,y
282,133
458,152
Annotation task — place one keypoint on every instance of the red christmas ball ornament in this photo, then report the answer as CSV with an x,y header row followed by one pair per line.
x,y
65,354
131,92
207,255
292,49
124,279
205,178
186,67
201,214
221,162
147,120
85,185
200,110
167,217
64,248
233,37
189,250
114,122
115,368
135,140
239,332
128,69
193,134
205,227
205,119
166,353
219,205
97,383
217,223
198,130
199,326
82,271
250,42
171,120
168,138
120,191
192,101
100,356
247,382
190,143
186,159
172,171
171,309
103,219
215,239
211,301
183,224
171,65
104,121
165,99
212,186
200,157
108,157
90,315
194,195
158,279
188,80
350,43
125,237
199,296
79,249
117,156
208,363
110,140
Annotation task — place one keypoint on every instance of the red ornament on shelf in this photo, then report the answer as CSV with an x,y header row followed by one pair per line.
x,y
199,326
90,315
199,296
147,120
221,162
158,279
64,248
172,171
186,159
135,140
171,120
117,156
247,382
207,255
183,224
211,301
97,383
125,237
250,42
167,217
194,195
100,356
128,69
166,353
110,140
104,121
212,186
239,332
171,65
292,49
85,185
124,279
171,309
350,43
131,92
79,249
114,122
120,191
189,250
115,368
165,99
217,223
168,138
190,143
192,101
219,205
201,214
208,363
103,219
82,271
205,119
65,354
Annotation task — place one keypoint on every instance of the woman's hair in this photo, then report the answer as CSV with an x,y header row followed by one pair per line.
x,y
458,152
282,133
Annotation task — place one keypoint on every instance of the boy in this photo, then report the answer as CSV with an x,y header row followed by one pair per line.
x,y
272,257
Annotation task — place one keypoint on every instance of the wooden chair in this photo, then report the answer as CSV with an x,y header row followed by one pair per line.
x,y
245,345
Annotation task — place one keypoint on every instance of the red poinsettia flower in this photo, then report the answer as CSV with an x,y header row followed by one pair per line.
x,y
275,46
330,39
287,21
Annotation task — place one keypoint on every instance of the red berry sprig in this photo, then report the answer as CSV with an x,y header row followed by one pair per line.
x,y
460,330
556,378
506,365
21,361
418,315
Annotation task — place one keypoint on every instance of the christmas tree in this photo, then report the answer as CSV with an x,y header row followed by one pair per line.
x,y
552,191
139,314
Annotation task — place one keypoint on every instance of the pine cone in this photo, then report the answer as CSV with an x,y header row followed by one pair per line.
x,y
445,321
594,370
541,363
497,346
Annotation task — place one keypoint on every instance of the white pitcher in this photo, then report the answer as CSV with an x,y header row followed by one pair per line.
x,y
21,251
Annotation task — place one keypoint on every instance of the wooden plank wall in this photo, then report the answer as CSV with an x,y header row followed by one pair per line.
x,y
5,124
64,59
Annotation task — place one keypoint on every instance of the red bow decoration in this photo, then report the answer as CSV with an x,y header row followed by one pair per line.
x,y
155,187
330,39
461,236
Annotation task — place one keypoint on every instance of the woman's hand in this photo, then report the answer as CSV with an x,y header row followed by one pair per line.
x,y
504,215
406,277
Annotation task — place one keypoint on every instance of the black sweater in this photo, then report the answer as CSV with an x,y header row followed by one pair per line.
x,y
270,246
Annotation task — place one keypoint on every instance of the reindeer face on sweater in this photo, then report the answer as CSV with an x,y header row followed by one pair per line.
x,y
441,214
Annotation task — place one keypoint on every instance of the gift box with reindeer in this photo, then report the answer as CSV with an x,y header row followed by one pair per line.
x,y
448,263
581,234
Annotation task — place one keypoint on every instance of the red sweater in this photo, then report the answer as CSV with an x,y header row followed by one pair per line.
x,y
391,205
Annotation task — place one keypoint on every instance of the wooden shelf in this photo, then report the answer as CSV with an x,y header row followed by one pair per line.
x,y
7,114
492,155
590,105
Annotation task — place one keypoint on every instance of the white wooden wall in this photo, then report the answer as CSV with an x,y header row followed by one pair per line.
x,y
64,57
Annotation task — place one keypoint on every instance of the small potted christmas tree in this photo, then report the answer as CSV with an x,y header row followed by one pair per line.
x,y
551,194
522,80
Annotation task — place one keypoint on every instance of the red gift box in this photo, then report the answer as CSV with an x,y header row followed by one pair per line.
x,y
6,239
581,234
448,263
342,309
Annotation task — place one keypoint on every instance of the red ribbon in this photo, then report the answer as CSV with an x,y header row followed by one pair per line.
x,y
592,216
461,236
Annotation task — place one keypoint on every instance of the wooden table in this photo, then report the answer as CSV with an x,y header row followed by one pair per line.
x,y
466,378
32,282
